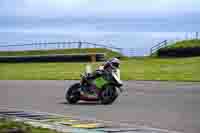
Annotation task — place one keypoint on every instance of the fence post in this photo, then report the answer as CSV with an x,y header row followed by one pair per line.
x,y
186,35
165,43
197,35
79,44
58,45
93,58
63,45
39,46
45,45
151,51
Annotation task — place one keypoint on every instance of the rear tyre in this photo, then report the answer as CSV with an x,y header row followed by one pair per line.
x,y
108,95
73,94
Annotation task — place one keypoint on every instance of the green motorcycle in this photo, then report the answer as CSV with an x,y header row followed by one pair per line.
x,y
104,89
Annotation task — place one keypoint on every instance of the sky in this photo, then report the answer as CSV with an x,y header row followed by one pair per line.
x,y
28,14
101,8
96,20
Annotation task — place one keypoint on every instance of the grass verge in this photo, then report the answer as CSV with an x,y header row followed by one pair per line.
x,y
171,69
7,126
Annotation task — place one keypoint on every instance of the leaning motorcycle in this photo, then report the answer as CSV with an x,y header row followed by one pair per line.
x,y
104,89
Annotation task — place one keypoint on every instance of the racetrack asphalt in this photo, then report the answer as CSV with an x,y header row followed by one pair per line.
x,y
166,105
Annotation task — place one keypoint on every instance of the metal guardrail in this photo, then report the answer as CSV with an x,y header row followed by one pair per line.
x,y
64,45
61,45
158,46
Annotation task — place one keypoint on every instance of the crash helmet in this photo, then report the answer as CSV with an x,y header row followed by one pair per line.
x,y
114,63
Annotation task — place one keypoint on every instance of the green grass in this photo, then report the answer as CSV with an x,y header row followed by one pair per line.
x,y
7,124
185,44
109,53
173,69
177,69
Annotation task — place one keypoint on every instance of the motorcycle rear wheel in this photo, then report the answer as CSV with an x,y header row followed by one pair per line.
x,y
73,94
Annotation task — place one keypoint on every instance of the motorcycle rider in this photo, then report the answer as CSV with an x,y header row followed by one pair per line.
x,y
108,67
111,65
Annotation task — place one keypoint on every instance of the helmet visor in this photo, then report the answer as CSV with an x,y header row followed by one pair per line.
x,y
115,65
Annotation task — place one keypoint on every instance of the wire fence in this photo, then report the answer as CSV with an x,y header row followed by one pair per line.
x,y
63,45
38,45
54,45
192,35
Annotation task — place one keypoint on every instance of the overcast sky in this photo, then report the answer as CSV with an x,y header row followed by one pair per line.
x,y
102,21
55,8
20,13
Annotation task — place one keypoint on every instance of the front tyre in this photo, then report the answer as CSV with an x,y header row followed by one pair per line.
x,y
73,94
108,94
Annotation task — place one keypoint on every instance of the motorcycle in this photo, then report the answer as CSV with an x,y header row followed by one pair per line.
x,y
104,88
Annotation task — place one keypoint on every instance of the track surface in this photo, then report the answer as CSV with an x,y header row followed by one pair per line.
x,y
167,105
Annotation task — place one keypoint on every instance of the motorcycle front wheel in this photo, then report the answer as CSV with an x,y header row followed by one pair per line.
x,y
108,94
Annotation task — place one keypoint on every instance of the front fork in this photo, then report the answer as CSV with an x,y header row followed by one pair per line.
x,y
119,89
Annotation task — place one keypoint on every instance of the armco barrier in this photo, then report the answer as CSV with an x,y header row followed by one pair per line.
x,y
55,58
179,52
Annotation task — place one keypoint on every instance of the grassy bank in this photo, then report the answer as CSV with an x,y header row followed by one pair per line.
x,y
175,69
6,126
186,48
185,44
